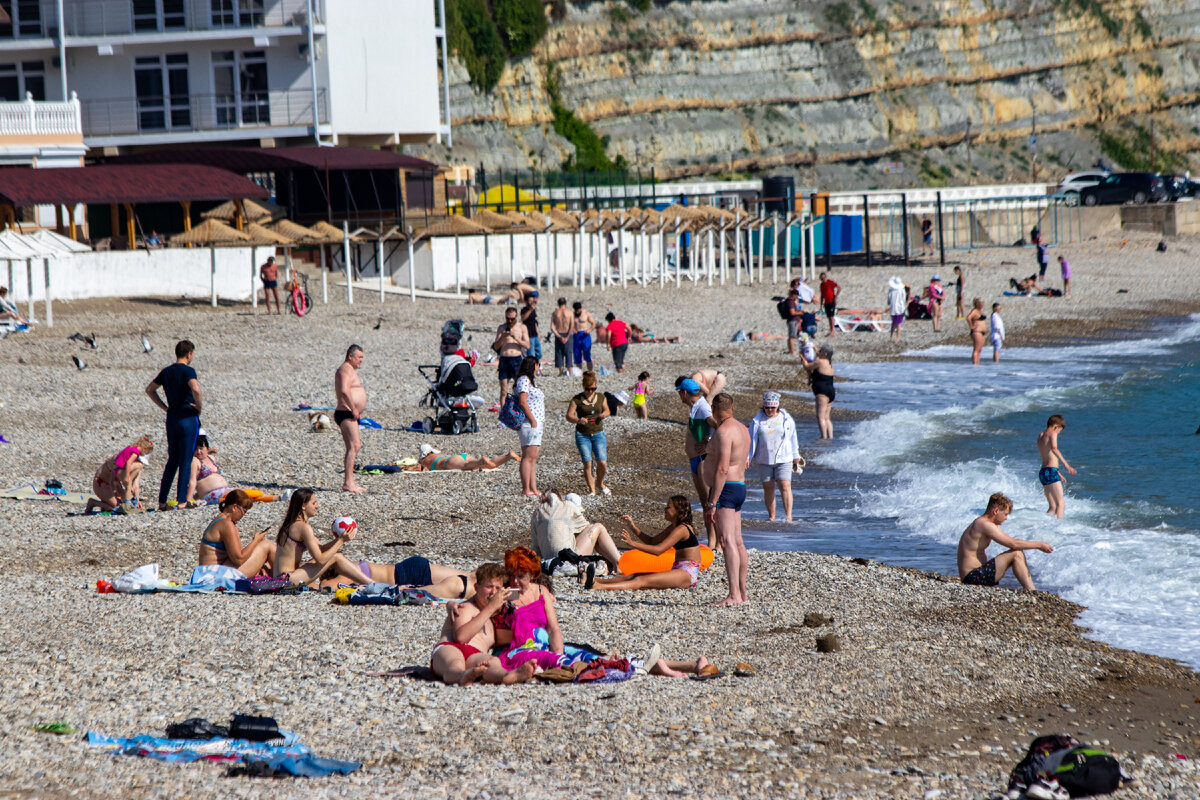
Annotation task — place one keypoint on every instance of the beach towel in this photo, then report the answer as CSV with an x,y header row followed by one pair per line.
x,y
367,422
417,672
30,492
186,750
384,594
306,766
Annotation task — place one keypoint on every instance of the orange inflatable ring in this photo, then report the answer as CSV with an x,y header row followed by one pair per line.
x,y
636,561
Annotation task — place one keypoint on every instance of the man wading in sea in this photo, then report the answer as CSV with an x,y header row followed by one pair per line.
x,y
972,548
1048,475
725,474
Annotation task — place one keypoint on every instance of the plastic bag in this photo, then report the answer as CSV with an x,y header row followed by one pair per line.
x,y
143,579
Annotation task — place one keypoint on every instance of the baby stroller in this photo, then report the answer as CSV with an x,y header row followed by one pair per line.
x,y
450,383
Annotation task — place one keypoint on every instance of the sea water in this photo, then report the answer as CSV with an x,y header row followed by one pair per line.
x,y
900,487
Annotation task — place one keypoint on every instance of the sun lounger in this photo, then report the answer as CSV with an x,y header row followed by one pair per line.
x,y
848,324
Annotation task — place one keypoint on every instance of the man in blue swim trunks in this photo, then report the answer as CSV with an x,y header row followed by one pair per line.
x,y
1048,475
975,568
695,441
725,474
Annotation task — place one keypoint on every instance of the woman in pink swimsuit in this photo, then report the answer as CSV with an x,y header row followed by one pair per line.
x,y
532,607
119,478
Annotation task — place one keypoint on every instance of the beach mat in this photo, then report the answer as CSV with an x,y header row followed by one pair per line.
x,y
30,492
392,469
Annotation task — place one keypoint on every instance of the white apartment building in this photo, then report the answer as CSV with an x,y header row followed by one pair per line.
x,y
263,72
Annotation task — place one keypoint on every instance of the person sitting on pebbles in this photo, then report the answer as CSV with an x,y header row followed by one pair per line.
x,y
679,535
207,485
221,542
558,524
119,479
432,460
463,653
530,607
296,536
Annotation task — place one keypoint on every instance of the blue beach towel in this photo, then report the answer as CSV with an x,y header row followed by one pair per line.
x,y
367,422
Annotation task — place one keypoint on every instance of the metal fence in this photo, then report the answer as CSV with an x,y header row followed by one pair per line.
x,y
202,112
121,17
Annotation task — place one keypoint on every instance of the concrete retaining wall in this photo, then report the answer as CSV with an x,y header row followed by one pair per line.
x,y
1164,219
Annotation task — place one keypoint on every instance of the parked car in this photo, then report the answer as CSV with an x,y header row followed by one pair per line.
x,y
1180,186
1076,182
1125,187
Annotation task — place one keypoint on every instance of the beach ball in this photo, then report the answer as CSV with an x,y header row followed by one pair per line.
x,y
343,525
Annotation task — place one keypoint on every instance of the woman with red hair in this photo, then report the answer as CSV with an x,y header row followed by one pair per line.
x,y
531,607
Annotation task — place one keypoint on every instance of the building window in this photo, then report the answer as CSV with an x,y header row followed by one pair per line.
x,y
24,19
158,15
161,84
240,80
17,79
237,13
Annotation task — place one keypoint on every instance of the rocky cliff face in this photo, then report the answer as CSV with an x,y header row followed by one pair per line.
x,y
835,90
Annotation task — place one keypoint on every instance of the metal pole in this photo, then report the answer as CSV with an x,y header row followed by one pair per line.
x,y
212,275
787,250
662,248
346,262
828,236
737,247
412,269
62,66
621,246
324,279
812,248
445,73
253,288
512,259
904,225
867,227
48,299
724,255
941,238
487,268
379,261
710,259
762,252
457,266
29,285
678,256
312,73
774,249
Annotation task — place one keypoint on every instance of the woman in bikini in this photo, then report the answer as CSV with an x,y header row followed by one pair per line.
x,y
434,460
679,535
119,479
207,485
417,572
221,542
296,536
977,322
820,371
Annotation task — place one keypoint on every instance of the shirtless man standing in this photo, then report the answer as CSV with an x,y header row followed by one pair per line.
x,y
695,441
462,655
562,323
512,340
725,473
712,382
582,340
1051,480
972,548
351,402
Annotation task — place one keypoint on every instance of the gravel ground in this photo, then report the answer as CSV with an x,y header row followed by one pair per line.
x,y
935,688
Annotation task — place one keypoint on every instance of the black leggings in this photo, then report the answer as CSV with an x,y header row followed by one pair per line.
x,y
181,447
618,354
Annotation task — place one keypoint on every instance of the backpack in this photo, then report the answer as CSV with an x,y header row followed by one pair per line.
x,y
782,308
1086,771
1044,755
511,415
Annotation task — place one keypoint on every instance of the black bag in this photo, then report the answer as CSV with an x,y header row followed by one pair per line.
x,y
196,728
782,308
1086,771
253,729
1044,755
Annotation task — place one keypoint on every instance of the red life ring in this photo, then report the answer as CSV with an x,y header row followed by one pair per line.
x,y
299,302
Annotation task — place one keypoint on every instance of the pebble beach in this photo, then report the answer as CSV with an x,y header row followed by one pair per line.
x,y
934,691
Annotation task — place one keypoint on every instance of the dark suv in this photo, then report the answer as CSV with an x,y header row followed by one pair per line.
x,y
1179,186
1125,187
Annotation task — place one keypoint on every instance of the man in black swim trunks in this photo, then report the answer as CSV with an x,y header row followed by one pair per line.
x,y
725,475
351,402
973,569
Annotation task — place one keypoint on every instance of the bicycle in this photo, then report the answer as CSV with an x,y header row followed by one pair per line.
x,y
299,303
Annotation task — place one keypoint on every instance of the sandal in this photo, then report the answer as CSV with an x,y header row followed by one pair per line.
x,y
744,670
606,490
589,579
707,673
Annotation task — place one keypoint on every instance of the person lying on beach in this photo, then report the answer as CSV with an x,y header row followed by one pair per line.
x,y
207,485
296,536
1032,288
462,655
558,524
530,606
416,572
119,479
433,460
642,336
868,314
516,293
973,569
679,535
221,542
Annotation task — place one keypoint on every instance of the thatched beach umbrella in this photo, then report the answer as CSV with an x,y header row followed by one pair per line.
x,y
213,232
228,211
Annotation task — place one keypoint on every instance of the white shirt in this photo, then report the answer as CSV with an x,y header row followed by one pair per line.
x,y
997,326
896,302
534,396
773,440
806,292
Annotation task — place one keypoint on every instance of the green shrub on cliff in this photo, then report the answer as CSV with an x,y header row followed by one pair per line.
x,y
590,150
1136,150
472,34
522,23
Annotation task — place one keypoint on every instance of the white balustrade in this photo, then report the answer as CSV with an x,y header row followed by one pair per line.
x,y
41,118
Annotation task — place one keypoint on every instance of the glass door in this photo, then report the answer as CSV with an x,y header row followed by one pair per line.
x,y
240,83
161,86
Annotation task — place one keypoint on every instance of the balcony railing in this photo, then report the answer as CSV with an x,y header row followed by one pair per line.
x,y
117,18
203,112
40,118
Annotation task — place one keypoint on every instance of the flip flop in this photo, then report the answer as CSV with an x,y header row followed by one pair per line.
x,y
590,577
606,491
705,675
744,670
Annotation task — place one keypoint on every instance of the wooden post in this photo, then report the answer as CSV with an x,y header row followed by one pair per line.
x,y
73,230
324,278
212,275
47,298
187,214
239,214
379,260
130,231
58,222
253,282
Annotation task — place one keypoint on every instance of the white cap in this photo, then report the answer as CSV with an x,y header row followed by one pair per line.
x,y
202,432
574,498
426,449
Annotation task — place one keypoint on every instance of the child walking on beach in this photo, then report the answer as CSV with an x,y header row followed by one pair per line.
x,y
641,390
